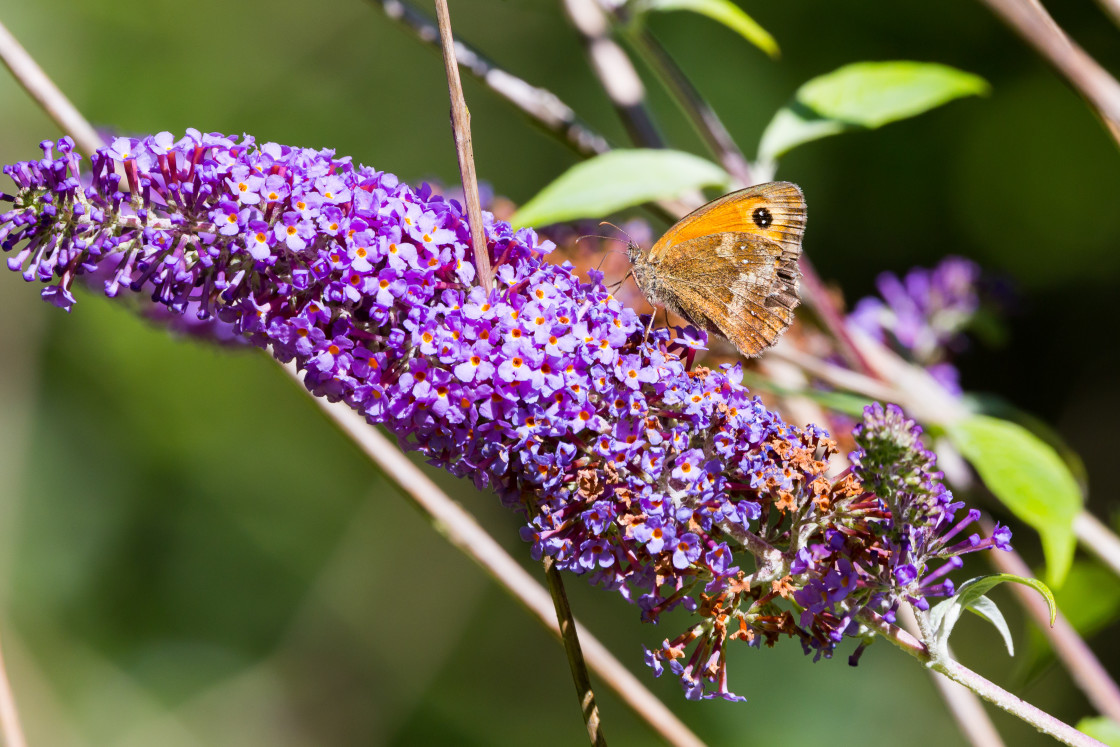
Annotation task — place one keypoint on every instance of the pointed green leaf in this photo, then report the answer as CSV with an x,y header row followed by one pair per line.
x,y
974,588
863,95
986,609
1101,728
721,11
616,180
998,407
971,596
1028,477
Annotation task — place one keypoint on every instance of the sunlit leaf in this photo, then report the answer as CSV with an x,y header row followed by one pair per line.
x,y
986,609
1101,728
616,180
863,95
996,406
721,11
1028,477
972,596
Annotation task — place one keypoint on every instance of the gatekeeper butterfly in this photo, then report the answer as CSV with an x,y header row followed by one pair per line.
x,y
730,267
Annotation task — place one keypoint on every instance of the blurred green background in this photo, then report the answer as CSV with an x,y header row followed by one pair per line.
x,y
191,555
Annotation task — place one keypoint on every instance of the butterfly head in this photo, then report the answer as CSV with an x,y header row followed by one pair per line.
x,y
634,253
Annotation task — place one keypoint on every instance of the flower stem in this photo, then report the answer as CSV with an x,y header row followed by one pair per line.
x,y
461,129
965,706
570,636
541,105
1013,704
1097,538
986,689
1031,21
1079,660
41,88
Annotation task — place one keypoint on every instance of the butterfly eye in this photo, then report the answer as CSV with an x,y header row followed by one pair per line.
x,y
762,217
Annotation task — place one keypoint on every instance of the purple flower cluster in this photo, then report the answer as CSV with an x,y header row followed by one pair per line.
x,y
924,314
667,483
909,526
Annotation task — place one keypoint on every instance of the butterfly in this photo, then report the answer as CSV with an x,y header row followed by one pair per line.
x,y
730,267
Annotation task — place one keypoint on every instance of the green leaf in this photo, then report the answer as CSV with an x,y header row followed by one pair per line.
x,y
974,588
994,405
720,11
863,95
972,596
1101,728
986,609
616,180
1028,477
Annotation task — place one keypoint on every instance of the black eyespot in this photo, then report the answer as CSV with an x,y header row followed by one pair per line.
x,y
762,217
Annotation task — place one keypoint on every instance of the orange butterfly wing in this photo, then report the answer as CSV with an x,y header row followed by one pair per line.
x,y
774,211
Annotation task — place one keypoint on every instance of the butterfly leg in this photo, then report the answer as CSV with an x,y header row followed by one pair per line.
x,y
614,288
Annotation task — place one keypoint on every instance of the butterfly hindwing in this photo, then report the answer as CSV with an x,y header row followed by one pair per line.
x,y
734,284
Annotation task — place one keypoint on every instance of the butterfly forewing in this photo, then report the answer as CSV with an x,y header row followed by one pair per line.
x,y
734,284
774,211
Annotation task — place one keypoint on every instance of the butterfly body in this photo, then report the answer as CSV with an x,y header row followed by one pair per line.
x,y
730,267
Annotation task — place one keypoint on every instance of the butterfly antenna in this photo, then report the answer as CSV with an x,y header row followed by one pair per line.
x,y
629,238
594,236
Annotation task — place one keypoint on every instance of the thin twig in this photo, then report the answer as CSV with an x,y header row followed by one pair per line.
x,y
703,118
1097,538
1079,660
1112,8
968,713
1031,21
576,662
965,707
1014,705
837,376
540,105
986,689
461,129
461,530
43,90
9,717
461,125
615,72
